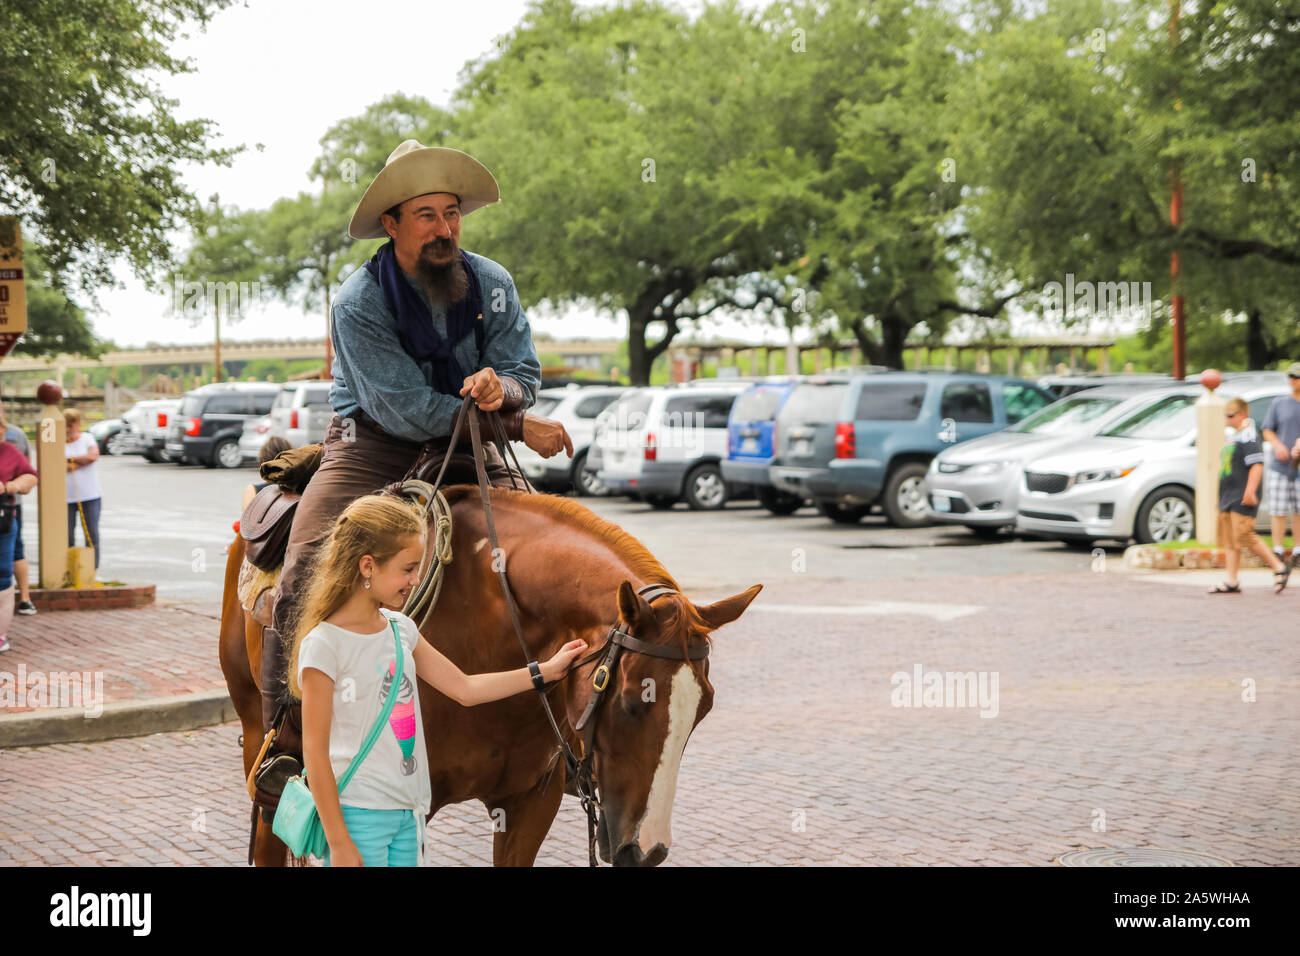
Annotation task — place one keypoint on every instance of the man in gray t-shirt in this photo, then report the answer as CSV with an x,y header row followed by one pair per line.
x,y
1281,434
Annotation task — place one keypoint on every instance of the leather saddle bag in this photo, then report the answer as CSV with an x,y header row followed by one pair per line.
x,y
265,526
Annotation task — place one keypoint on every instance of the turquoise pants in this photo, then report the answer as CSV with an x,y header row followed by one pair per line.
x,y
385,837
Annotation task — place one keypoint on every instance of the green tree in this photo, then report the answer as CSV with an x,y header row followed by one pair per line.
x,y
90,149
55,324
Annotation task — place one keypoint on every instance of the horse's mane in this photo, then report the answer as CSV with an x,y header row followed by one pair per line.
x,y
638,557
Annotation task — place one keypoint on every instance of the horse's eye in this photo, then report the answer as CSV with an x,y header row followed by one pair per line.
x,y
631,706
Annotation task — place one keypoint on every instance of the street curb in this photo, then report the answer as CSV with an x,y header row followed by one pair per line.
x,y
127,719
1148,557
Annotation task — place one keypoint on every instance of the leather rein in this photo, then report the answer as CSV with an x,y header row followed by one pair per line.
x,y
617,639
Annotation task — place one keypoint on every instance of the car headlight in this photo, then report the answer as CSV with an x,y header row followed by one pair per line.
x,y
1102,474
990,467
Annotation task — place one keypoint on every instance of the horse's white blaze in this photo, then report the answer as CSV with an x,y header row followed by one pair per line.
x,y
683,701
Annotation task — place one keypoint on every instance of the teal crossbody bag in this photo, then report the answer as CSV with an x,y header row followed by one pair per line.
x,y
296,821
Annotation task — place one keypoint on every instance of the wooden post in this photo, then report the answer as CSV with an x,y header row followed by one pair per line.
x,y
1209,448
52,467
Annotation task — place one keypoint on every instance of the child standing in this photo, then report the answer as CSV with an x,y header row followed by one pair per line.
x,y
1239,475
342,667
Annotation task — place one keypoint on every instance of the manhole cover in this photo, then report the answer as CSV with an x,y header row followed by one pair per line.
x,y
1141,856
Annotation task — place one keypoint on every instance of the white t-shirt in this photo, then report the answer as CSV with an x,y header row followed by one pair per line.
x,y
83,484
393,776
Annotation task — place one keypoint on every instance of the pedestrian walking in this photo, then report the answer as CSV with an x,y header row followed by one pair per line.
x,y
19,477
1240,470
85,496
343,664
1281,431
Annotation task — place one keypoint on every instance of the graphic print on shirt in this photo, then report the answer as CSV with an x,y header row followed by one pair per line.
x,y
402,719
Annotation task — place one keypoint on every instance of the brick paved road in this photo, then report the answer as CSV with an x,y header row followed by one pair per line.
x,y
1117,696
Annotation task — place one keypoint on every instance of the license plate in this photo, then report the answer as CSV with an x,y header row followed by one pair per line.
x,y
801,446
749,446
941,503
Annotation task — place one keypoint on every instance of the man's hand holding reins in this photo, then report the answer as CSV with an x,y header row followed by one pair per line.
x,y
486,389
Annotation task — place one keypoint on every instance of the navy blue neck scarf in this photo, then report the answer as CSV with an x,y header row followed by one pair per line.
x,y
415,330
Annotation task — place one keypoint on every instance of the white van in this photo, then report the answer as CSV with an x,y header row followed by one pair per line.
x,y
664,444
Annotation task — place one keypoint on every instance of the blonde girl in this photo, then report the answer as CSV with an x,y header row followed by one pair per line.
x,y
342,666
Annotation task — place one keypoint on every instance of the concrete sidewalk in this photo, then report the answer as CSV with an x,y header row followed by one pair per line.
x,y
96,675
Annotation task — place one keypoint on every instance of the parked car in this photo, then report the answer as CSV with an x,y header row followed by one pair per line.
x,y
211,420
850,445
1137,478
147,425
1063,385
108,435
666,443
751,436
577,408
977,483
302,412
256,433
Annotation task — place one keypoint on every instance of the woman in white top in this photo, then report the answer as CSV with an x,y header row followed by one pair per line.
x,y
84,493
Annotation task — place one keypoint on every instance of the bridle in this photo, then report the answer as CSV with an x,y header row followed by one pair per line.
x,y
616,640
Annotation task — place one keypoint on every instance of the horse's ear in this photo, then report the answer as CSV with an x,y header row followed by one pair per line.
x,y
728,609
630,604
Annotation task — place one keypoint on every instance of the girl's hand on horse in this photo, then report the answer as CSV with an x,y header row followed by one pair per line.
x,y
346,855
559,664
486,389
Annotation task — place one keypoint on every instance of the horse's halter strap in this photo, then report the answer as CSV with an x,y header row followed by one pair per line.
x,y
615,641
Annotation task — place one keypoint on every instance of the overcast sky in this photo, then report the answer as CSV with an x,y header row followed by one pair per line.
x,y
275,75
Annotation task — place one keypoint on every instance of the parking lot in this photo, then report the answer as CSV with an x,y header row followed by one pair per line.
x,y
1127,710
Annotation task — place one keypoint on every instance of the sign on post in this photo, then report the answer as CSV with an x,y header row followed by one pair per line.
x,y
13,294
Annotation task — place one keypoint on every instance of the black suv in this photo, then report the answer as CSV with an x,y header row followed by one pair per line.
x,y
211,419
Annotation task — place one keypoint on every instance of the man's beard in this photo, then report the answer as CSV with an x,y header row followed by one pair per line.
x,y
446,283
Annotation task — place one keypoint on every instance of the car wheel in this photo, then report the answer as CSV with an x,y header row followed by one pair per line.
x,y
153,456
586,482
227,454
779,502
1168,514
904,497
116,444
843,514
660,502
705,488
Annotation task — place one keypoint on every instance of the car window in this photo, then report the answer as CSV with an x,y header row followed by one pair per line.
x,y
814,403
285,398
543,407
758,404
259,403
893,402
1067,416
593,405
1021,401
1168,418
698,411
192,407
966,402
630,412
231,404
316,395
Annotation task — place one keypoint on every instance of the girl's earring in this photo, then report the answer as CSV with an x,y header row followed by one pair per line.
x,y
367,584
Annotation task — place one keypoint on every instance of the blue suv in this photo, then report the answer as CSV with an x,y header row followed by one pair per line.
x,y
751,436
851,444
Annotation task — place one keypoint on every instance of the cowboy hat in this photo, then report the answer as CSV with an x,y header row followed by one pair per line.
x,y
414,170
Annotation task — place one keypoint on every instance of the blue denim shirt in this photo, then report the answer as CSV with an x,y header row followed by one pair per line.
x,y
374,373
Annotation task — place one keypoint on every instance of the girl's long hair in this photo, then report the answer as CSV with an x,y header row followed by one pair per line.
x,y
377,525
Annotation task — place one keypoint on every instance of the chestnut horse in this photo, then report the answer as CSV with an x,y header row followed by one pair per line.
x,y
573,574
